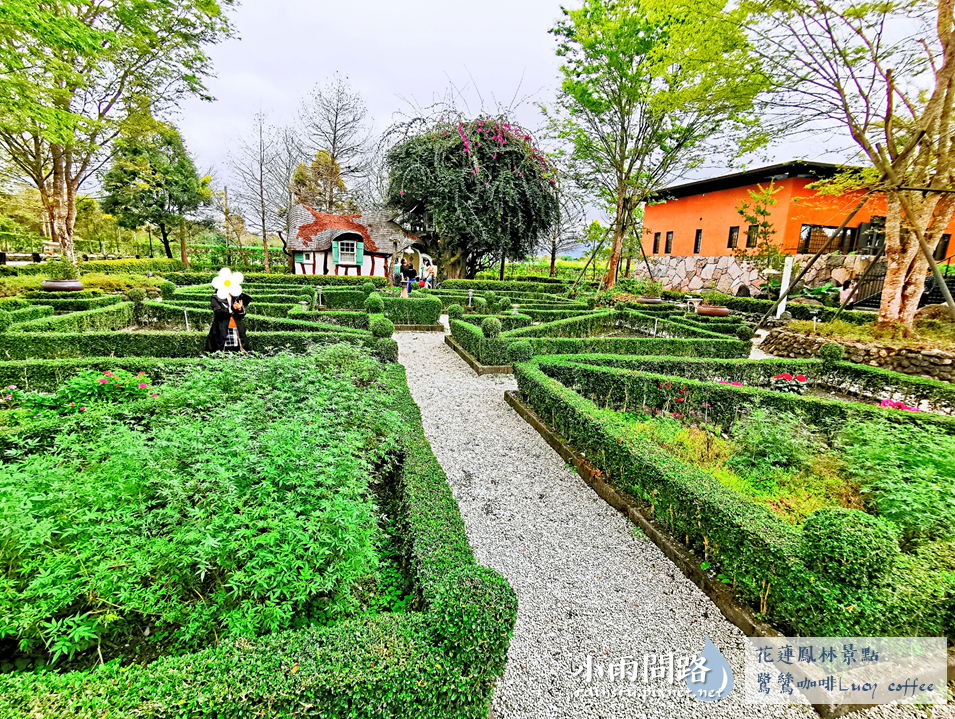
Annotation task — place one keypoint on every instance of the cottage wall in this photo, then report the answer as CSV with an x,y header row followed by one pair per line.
x,y
374,265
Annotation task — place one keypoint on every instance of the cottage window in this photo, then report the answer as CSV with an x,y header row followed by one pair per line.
x,y
346,252
734,238
698,242
668,248
752,233
656,243
308,256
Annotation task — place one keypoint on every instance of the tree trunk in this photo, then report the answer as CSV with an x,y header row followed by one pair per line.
x,y
610,279
626,272
61,201
553,257
164,238
182,243
503,258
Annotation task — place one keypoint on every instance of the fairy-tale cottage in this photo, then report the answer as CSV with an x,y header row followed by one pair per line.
x,y
359,245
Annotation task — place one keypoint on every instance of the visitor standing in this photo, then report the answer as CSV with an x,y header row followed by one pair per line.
x,y
847,291
429,273
409,273
229,305
397,272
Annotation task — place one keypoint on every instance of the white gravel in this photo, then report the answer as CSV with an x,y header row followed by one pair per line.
x,y
587,582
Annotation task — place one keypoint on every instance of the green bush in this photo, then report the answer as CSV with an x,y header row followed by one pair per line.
x,y
374,304
113,317
455,312
8,304
491,327
167,290
356,320
80,304
136,296
832,352
386,349
765,438
744,333
508,322
61,269
261,278
520,351
368,288
86,294
479,306
381,326
26,314
849,546
132,266
414,310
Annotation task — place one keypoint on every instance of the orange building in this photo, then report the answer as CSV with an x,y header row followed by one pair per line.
x,y
700,218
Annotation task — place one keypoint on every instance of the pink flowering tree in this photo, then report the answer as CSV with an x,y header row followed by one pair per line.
x,y
475,192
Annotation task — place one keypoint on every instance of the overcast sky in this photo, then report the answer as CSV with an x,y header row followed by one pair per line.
x,y
391,52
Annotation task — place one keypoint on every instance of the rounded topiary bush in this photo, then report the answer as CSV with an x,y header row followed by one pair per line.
x,y
849,546
491,327
832,352
386,349
136,295
374,304
368,288
167,290
491,297
381,326
480,306
520,351
744,333
455,312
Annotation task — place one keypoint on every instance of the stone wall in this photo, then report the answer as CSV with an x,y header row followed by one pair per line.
x,y
728,274
924,363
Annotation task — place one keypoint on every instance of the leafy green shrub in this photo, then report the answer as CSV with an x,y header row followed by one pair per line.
x,y
374,304
131,266
261,278
744,333
908,473
415,310
113,317
167,290
832,352
381,326
86,294
491,327
386,349
479,306
80,304
61,269
136,295
520,351
368,288
772,438
455,312
849,546
26,314
349,360
87,389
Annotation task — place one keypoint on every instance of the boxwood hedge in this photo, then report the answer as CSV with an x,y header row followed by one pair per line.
x,y
80,304
758,552
112,317
261,278
440,662
423,310
358,320
24,314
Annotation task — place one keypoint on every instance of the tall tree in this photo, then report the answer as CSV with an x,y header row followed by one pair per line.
x,y
319,185
334,120
152,179
250,162
475,192
568,231
885,73
72,71
645,84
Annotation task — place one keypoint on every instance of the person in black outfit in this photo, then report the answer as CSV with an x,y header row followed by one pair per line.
x,y
227,333
409,273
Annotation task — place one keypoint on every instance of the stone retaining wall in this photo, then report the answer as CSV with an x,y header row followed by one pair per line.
x,y
696,273
925,363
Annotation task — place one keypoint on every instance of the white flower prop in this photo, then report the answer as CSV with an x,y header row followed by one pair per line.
x,y
228,283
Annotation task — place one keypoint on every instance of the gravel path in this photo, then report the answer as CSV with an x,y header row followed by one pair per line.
x,y
588,582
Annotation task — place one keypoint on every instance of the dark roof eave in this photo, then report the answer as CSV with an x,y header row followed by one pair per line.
x,y
749,177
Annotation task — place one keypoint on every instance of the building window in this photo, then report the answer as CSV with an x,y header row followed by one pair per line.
x,y
669,245
941,251
751,235
698,242
346,252
656,243
734,238
308,256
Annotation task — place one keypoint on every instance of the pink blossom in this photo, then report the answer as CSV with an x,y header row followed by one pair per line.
x,y
154,395
102,380
82,409
142,385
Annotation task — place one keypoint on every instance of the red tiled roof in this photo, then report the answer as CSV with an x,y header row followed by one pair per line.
x,y
306,233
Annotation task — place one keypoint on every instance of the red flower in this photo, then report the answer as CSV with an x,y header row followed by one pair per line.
x,y
800,378
677,399
785,375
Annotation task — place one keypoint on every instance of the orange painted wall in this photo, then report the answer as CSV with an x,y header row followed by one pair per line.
x,y
715,213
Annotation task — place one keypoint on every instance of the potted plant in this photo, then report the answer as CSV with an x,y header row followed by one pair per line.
x,y
649,290
62,276
711,305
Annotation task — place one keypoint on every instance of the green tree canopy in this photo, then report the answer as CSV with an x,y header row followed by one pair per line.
x,y
646,84
474,191
152,179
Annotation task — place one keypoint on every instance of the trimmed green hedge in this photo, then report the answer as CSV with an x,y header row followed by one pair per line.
x,y
424,310
508,322
551,315
166,312
132,266
264,309
440,663
261,278
758,552
798,311
81,295
46,375
713,401
81,304
25,314
505,286
848,378
358,320
113,317
336,298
